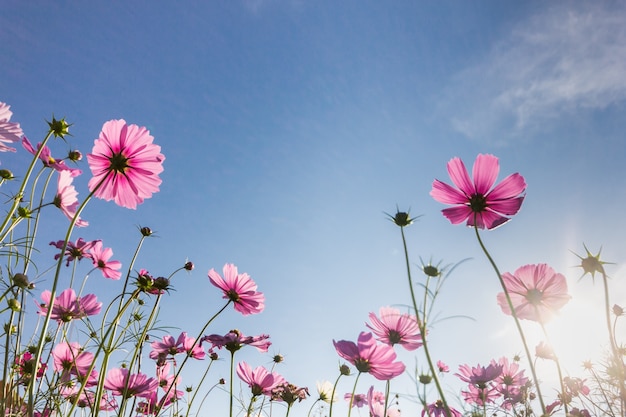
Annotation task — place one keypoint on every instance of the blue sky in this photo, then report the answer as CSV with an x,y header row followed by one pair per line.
x,y
290,127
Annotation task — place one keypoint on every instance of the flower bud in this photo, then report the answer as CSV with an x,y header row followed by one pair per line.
x,y
59,128
189,266
21,281
14,305
145,231
5,174
278,358
617,310
74,155
344,370
425,379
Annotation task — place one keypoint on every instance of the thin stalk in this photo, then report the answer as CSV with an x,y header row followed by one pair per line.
x,y
422,327
332,395
514,315
353,391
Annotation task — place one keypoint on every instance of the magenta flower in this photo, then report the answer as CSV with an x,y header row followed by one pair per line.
x,y
442,367
476,201
359,400
394,327
46,157
479,375
171,347
437,409
235,340
9,132
260,380
66,198
367,356
70,359
78,250
26,365
537,292
101,256
125,164
68,307
240,289
120,382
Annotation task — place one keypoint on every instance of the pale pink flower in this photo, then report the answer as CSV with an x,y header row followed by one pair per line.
x,y
476,201
376,403
479,375
481,395
537,292
260,380
48,160
510,381
359,400
235,340
171,347
545,351
101,256
87,398
394,327
120,382
125,164
437,409
368,356
67,306
240,289
66,198
9,132
78,250
70,359
442,367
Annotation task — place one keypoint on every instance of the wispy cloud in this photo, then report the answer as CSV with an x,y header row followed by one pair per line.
x,y
552,65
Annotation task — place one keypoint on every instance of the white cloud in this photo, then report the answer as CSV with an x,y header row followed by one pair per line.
x,y
551,65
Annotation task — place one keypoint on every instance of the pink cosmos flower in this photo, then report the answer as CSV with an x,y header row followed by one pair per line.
x,y
394,327
260,380
66,198
26,365
437,409
87,398
68,307
479,375
120,382
537,292
476,201
367,356
442,367
235,340
511,380
376,403
9,132
78,250
359,400
70,359
240,289
100,256
289,393
545,351
47,159
171,347
125,164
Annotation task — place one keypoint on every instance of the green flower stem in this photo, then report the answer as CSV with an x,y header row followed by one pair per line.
x,y
55,282
616,354
556,361
515,318
387,387
422,327
20,194
195,393
312,406
353,391
195,343
332,395
230,387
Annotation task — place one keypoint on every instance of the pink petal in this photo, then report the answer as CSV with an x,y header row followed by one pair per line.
x,y
447,194
485,172
458,214
460,177
510,187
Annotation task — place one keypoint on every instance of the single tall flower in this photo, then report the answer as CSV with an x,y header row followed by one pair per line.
x,y
394,327
537,292
368,356
476,201
66,198
240,289
125,164
9,132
